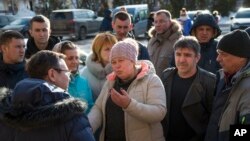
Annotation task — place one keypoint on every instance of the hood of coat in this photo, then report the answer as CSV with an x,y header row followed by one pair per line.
x,y
97,69
35,103
146,68
174,32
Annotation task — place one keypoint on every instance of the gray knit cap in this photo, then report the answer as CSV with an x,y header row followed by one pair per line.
x,y
128,48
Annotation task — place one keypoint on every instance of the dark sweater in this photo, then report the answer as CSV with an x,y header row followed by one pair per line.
x,y
115,128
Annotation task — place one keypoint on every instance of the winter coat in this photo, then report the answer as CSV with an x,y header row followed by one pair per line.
x,y
206,19
160,46
106,22
237,105
11,74
96,74
32,48
208,56
197,105
39,111
79,88
145,111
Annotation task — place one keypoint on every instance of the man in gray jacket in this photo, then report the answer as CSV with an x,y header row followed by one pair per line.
x,y
163,36
232,101
189,92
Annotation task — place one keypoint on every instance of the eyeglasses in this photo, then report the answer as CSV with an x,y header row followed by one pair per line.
x,y
160,22
67,72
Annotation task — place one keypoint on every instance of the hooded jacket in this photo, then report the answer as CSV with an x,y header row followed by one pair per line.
x,y
10,74
39,111
32,48
160,46
145,111
208,50
106,22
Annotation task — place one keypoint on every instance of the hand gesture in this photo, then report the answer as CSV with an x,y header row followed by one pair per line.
x,y
121,99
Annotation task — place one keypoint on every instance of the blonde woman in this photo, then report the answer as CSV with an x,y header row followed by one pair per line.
x,y
97,63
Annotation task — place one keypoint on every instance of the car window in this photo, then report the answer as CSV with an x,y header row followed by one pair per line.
x,y
91,14
80,15
62,15
243,14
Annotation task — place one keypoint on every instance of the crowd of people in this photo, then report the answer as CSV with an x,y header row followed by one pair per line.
x,y
184,86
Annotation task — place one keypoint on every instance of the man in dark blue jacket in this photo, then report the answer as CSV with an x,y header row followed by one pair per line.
x,y
39,109
206,29
12,64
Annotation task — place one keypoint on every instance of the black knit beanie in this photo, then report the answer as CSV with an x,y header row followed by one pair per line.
x,y
206,19
236,43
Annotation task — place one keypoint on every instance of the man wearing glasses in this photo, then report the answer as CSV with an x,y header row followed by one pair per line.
x,y
164,34
39,109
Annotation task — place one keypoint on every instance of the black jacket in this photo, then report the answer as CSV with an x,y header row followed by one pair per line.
x,y
32,48
10,74
39,111
208,57
197,104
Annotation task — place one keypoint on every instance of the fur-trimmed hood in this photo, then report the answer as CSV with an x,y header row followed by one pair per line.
x,y
97,69
35,103
172,33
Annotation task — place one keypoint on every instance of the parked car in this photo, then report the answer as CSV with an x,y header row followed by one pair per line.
x,y
20,24
241,20
6,19
77,23
193,13
139,15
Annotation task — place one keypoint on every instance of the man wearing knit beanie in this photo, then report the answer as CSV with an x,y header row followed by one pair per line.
x,y
206,29
232,101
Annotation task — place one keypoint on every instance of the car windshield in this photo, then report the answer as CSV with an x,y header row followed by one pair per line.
x,y
20,22
243,14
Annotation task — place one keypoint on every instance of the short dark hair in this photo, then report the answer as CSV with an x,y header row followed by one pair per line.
x,y
40,19
39,64
6,36
188,42
121,15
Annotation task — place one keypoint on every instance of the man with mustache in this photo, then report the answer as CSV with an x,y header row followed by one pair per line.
x,y
189,93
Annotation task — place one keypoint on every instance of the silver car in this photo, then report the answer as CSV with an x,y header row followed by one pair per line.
x,y
77,23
